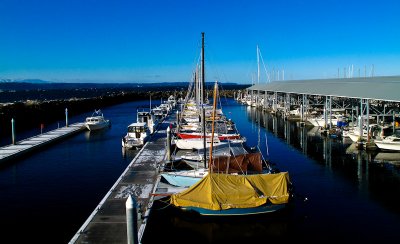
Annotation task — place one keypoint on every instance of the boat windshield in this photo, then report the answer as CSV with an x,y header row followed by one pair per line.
x,y
92,120
136,129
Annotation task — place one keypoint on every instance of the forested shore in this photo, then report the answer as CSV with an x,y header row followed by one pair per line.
x,y
30,114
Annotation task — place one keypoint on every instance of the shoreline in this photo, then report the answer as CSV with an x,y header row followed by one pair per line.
x,y
33,113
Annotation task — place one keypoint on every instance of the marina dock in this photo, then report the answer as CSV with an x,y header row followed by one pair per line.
x,y
30,144
107,223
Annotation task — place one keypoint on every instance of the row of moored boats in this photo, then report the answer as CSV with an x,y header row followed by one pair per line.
x,y
383,135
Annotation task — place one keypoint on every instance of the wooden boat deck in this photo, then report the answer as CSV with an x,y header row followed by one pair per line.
x,y
28,145
107,223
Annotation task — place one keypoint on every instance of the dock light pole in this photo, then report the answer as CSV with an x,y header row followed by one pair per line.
x,y
169,144
131,221
13,131
66,117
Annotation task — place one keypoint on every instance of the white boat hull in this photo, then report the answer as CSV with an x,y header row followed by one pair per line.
x,y
185,178
130,144
96,121
321,122
97,126
355,138
190,144
393,146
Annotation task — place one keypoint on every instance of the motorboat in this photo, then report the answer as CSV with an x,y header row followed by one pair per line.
x,y
137,135
158,114
149,118
389,143
96,121
320,120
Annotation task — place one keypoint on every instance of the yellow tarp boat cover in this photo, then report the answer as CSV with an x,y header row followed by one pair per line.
x,y
225,191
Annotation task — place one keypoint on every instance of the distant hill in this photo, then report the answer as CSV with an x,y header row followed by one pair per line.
x,y
11,91
35,84
33,81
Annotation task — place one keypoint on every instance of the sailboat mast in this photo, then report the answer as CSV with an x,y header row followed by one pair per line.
x,y
212,125
258,65
196,87
203,100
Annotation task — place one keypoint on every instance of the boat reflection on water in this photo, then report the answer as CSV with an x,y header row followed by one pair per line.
x,y
341,184
95,135
201,229
129,154
388,157
339,154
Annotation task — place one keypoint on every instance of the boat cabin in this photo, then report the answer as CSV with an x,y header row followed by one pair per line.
x,y
136,128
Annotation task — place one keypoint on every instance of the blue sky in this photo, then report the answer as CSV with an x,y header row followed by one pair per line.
x,y
160,41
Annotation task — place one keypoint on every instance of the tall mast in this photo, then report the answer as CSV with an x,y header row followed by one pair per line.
x,y
196,87
258,65
212,125
203,100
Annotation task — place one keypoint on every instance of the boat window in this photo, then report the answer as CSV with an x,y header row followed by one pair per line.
x,y
136,129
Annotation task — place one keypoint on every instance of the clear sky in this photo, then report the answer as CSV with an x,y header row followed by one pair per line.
x,y
160,40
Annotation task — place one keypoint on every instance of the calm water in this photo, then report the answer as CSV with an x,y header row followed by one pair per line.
x,y
47,196
351,198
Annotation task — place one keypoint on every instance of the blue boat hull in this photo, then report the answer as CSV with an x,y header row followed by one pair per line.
x,y
266,208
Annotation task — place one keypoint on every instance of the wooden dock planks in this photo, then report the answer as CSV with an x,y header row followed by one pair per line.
x,y
28,145
107,223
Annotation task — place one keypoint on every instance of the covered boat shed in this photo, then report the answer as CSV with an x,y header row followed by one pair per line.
x,y
278,96
385,88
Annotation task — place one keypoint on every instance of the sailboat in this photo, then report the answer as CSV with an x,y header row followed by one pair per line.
x,y
194,120
224,192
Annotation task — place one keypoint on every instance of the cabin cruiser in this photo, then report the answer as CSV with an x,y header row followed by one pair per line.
x,y
149,118
96,121
389,143
334,119
137,135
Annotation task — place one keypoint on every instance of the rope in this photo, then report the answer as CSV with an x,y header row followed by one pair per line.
x,y
168,204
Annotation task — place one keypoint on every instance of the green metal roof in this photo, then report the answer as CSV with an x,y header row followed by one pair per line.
x,y
385,88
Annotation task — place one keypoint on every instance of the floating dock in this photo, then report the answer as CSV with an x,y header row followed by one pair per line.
x,y
107,223
30,144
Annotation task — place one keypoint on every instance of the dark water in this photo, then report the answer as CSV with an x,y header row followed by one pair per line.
x,y
351,197
47,196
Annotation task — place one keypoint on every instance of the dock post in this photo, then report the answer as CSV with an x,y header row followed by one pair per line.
x,y
13,131
168,144
66,117
131,221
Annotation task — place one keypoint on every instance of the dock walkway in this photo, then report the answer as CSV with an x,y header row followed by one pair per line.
x,y
28,145
107,223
